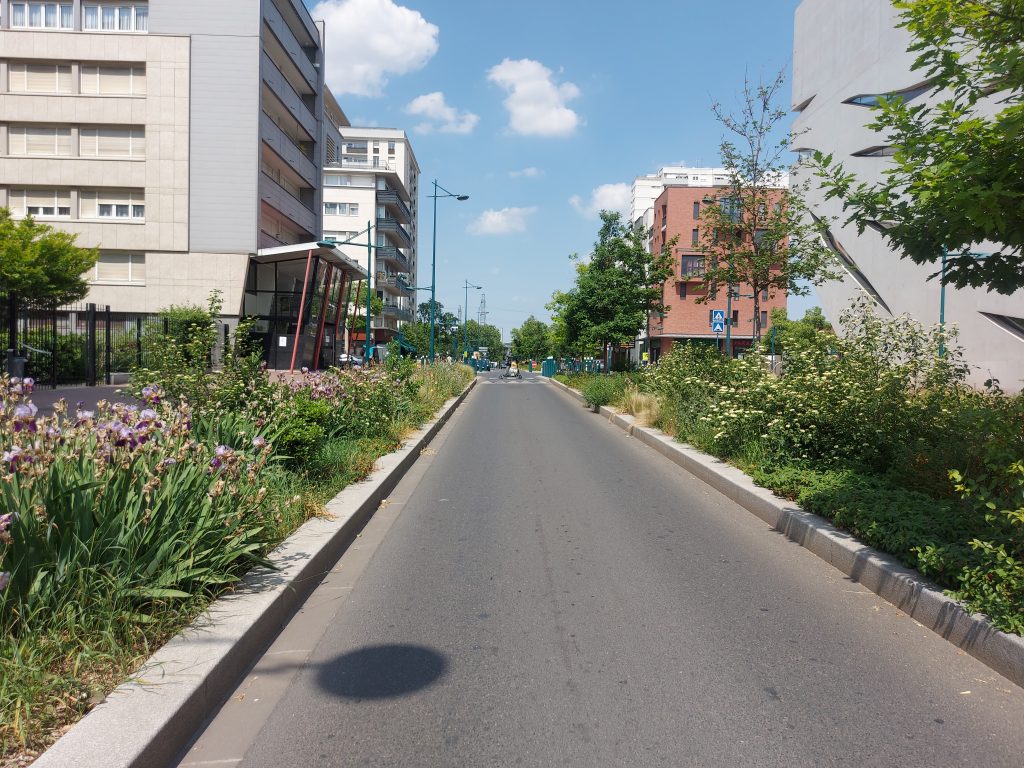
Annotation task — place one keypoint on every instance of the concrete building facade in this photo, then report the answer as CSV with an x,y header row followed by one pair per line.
x,y
845,56
181,138
372,179
676,214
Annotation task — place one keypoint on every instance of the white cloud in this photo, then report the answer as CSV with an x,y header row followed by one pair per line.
x,y
503,222
369,39
607,197
529,173
433,107
535,103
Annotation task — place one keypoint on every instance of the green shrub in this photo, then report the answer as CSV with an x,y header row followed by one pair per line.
x,y
600,390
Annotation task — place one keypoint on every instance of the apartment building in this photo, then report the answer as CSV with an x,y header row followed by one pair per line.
x,y
184,139
846,56
647,189
371,179
676,214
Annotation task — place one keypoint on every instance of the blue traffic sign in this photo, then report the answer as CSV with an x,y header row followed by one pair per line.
x,y
717,316
718,327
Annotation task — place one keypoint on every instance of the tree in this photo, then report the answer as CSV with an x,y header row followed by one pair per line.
x,y
788,334
357,318
615,289
40,263
531,340
478,335
755,234
957,176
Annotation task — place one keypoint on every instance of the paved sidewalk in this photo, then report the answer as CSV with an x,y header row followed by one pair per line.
x,y
45,398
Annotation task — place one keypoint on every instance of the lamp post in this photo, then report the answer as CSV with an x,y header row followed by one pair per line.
x,y
433,258
465,315
942,298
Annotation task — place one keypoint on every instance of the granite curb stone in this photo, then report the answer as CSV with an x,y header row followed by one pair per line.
x,y
151,719
880,572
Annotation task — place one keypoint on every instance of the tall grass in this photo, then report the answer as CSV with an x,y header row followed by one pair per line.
x,y
119,526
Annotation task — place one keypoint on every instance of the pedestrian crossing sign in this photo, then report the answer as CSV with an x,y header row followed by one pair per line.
x,y
717,317
718,327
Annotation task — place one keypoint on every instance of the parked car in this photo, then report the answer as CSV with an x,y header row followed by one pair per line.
x,y
344,360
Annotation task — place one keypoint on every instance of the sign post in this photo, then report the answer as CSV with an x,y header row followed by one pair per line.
x,y
717,321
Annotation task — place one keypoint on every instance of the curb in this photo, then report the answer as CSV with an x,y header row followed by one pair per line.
x,y
151,719
880,572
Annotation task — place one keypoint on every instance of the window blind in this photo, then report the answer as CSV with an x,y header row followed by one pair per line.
x,y
113,266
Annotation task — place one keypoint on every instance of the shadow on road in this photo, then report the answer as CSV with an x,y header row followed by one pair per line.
x,y
381,671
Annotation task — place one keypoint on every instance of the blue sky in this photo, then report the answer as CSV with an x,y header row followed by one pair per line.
x,y
529,106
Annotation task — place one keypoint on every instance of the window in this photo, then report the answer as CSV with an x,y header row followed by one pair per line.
x,y
42,15
112,142
696,210
764,295
337,180
875,99
114,79
735,318
120,268
764,318
682,290
694,237
878,150
40,202
116,18
40,140
129,204
691,266
25,77
341,209
339,237
391,147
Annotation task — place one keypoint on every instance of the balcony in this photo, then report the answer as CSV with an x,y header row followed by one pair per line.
x,y
395,232
393,283
365,163
384,324
287,150
391,254
287,95
397,312
395,203
277,197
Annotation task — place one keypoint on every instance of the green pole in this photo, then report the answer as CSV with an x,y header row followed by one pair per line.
x,y
728,323
433,274
942,308
369,266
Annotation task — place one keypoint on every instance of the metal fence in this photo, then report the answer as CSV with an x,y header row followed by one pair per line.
x,y
74,344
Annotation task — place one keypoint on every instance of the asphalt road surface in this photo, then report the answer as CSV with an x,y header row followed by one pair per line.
x,y
543,590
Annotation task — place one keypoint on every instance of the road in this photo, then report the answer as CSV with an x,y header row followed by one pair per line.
x,y
543,590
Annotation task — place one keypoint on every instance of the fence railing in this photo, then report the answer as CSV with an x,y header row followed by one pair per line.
x,y
74,344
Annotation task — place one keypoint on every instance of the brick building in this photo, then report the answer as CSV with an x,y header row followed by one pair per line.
x,y
676,213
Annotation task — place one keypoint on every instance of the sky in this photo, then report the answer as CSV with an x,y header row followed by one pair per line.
x,y
543,112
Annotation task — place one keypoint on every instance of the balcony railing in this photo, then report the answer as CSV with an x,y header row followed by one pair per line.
x,y
391,254
394,200
399,282
397,312
365,163
392,227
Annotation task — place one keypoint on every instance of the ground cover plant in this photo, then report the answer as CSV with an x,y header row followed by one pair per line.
x,y
119,525
874,430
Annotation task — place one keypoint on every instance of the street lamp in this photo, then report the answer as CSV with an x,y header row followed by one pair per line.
x,y
433,258
465,314
942,297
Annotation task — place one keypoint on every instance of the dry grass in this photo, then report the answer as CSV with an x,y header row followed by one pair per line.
x,y
644,407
